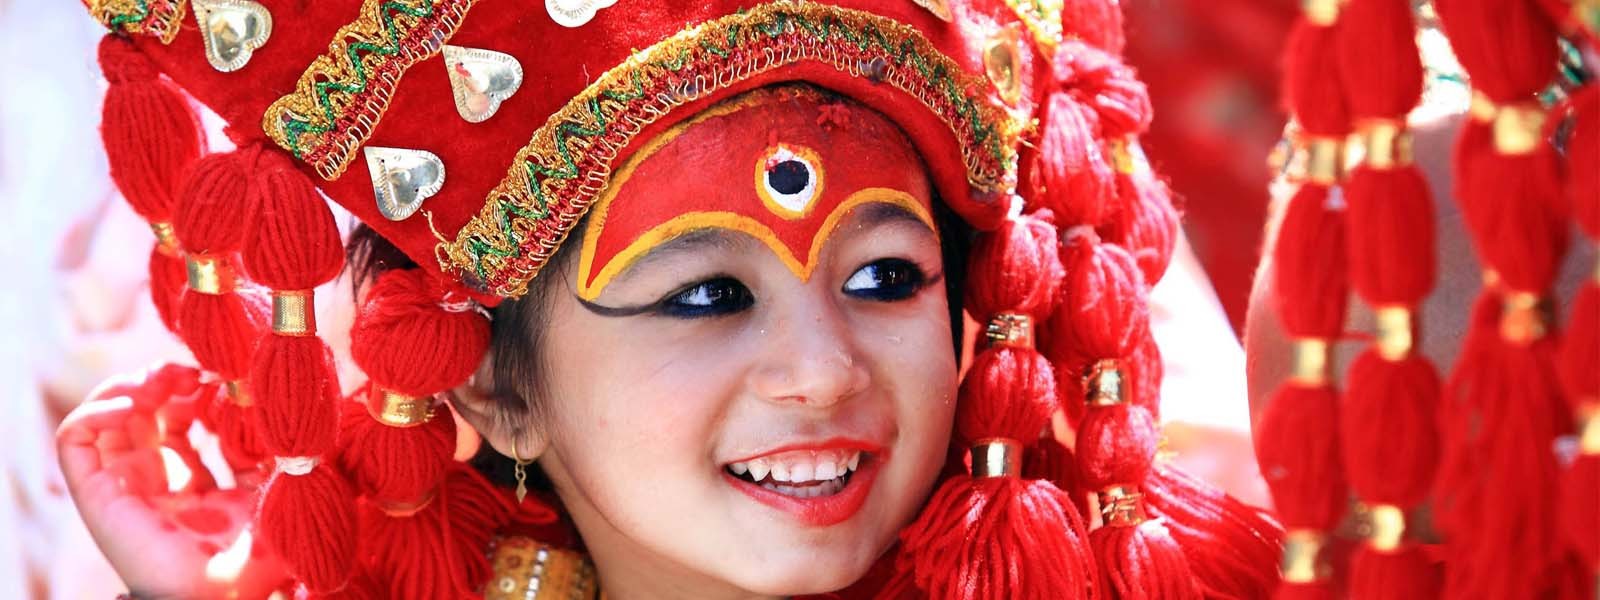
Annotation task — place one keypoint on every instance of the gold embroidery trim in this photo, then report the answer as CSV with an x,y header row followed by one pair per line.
x,y
519,227
1043,20
525,569
342,96
159,18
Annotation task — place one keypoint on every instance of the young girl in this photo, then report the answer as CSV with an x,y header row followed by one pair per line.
x,y
711,311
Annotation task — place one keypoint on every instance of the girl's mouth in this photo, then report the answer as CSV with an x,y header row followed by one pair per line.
x,y
819,486
800,474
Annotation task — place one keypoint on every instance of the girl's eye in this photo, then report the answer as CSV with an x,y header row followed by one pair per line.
x,y
710,298
886,280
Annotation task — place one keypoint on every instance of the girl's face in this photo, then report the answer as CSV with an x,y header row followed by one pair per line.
x,y
750,369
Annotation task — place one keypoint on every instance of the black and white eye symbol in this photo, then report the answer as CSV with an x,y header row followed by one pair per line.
x,y
789,179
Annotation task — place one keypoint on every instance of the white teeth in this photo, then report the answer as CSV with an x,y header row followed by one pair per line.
x,y
738,468
855,460
826,470
758,470
802,471
780,472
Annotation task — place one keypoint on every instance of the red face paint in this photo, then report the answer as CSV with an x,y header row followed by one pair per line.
x,y
788,184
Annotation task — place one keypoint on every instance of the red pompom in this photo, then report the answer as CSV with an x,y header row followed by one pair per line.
x,y
293,382
395,464
1104,309
1014,269
1298,450
214,212
408,343
168,280
295,245
150,133
1508,49
1116,445
1391,446
1143,562
1100,81
1583,153
1378,58
1097,22
1311,83
1492,496
1580,508
1070,174
1008,393
309,521
1580,346
998,538
1146,224
1391,246
1404,574
1308,266
1232,548
1319,590
221,330
238,430
1511,206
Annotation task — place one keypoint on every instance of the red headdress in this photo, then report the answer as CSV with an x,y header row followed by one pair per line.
x,y
528,108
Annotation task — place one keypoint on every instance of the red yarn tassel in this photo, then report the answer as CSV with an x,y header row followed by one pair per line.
x,y
309,521
1232,548
1391,256
1387,418
1583,153
393,464
996,535
1142,562
151,137
1299,456
1399,575
1579,506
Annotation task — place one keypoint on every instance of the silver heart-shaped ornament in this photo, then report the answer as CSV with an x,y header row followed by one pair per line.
x,y
232,30
402,178
481,80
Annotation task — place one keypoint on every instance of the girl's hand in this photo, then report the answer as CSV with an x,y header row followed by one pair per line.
x,y
150,503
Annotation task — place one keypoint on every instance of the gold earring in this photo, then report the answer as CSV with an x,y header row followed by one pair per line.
x,y
519,471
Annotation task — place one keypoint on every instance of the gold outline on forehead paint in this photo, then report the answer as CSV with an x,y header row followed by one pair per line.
x,y
811,159
695,221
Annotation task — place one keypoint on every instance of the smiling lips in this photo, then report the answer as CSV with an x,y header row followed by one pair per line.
x,y
821,485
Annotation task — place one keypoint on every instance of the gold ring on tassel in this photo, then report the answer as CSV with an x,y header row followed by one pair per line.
x,y
1385,144
1321,12
1311,364
1518,128
209,274
293,313
1324,159
1522,318
166,240
1388,527
1589,427
1300,550
1012,330
996,457
1394,332
398,410
1121,506
1102,386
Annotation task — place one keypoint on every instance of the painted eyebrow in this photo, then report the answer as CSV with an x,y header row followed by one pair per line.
x,y
706,238
880,213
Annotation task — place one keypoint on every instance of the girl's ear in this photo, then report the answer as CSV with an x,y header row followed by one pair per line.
x,y
505,423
